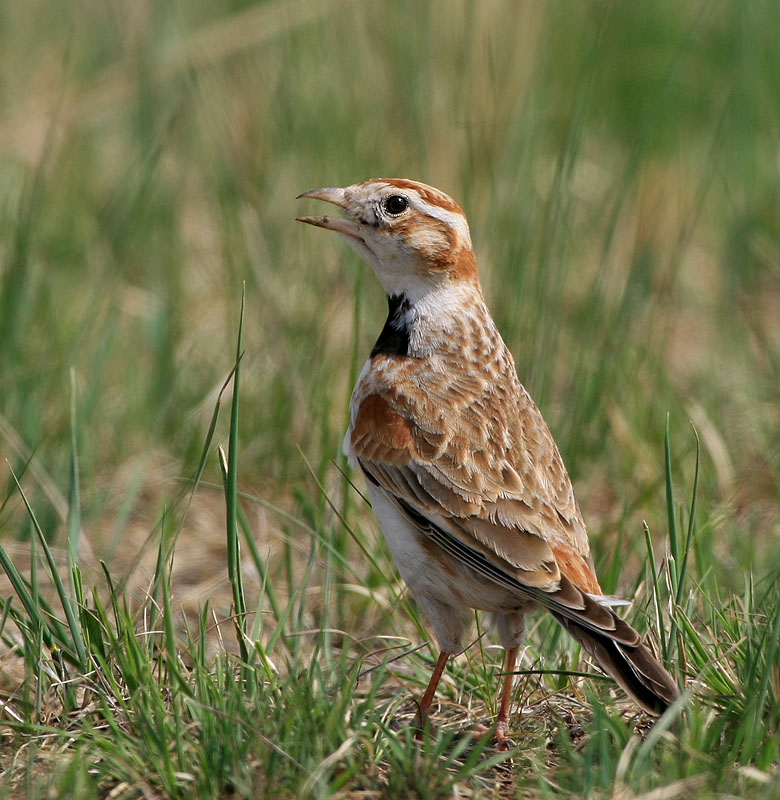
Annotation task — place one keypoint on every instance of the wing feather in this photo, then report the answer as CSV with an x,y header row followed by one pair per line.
x,y
517,512
568,602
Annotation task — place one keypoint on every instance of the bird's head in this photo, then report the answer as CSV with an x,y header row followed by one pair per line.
x,y
414,237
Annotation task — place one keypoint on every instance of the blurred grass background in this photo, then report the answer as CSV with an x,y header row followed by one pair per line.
x,y
620,167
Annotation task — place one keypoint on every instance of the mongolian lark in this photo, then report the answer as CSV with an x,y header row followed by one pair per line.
x,y
463,474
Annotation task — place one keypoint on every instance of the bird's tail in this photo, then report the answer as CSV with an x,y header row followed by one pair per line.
x,y
626,659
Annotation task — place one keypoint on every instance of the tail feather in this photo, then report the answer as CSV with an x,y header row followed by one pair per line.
x,y
635,669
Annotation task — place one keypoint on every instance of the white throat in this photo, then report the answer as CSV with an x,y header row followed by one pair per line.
x,y
431,319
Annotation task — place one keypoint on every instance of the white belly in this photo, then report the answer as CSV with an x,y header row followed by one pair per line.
x,y
445,589
420,571
427,570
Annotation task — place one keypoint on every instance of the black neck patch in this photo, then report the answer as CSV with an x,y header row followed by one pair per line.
x,y
394,338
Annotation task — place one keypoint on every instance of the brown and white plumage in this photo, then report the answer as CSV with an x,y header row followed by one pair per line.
x,y
464,476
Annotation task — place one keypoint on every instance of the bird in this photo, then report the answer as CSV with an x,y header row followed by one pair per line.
x,y
463,475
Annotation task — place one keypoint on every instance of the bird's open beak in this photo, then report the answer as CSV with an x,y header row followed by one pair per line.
x,y
336,196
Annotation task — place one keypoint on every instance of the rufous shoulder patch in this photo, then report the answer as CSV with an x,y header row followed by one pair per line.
x,y
380,433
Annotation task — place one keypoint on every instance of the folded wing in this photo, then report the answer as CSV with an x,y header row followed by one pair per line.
x,y
474,490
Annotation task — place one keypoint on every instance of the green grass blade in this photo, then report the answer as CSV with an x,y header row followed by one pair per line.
x,y
656,585
206,449
260,564
670,513
691,520
71,615
22,592
230,477
74,500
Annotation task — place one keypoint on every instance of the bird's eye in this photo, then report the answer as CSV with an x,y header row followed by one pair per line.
x,y
396,204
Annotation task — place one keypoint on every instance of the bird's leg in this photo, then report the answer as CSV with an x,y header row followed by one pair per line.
x,y
506,695
427,699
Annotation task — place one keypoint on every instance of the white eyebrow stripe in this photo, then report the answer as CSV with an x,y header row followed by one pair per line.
x,y
451,218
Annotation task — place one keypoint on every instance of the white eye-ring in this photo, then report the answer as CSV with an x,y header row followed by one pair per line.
x,y
395,204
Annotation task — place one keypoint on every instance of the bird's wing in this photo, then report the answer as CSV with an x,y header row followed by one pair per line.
x,y
487,476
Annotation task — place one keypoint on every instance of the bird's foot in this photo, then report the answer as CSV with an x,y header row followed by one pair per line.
x,y
503,742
